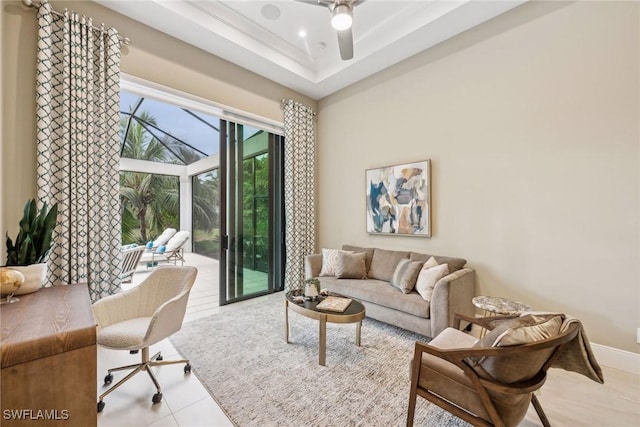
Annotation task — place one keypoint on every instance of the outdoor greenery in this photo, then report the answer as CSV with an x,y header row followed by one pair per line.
x,y
150,202
255,212
206,222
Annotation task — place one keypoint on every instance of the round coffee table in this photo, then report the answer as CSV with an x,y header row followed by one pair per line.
x,y
354,313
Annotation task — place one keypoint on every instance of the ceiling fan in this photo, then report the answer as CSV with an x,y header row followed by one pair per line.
x,y
341,21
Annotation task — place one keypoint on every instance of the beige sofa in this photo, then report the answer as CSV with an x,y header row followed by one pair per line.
x,y
387,303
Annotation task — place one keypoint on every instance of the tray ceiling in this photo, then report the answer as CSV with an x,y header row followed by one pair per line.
x,y
293,43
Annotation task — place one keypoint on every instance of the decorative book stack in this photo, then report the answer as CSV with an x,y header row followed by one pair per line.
x,y
332,303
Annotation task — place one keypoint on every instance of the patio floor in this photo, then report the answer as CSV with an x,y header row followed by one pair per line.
x,y
205,294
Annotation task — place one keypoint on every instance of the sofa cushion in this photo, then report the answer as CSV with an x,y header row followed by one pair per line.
x,y
357,249
351,266
384,263
518,331
428,278
330,261
378,292
454,264
406,274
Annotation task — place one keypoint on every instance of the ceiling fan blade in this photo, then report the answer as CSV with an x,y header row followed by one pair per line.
x,y
323,3
345,43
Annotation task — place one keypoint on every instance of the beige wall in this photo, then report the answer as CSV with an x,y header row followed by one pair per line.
x,y
531,123
153,56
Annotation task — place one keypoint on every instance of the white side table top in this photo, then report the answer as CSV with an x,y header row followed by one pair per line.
x,y
499,305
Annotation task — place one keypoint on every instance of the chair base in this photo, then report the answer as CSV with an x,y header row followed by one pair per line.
x,y
145,365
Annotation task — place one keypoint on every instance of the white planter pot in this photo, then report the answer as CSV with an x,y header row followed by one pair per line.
x,y
310,290
34,274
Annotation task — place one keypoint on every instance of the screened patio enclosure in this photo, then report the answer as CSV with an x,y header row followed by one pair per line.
x,y
185,165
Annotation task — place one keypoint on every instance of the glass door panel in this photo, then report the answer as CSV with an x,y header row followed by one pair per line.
x,y
251,229
206,213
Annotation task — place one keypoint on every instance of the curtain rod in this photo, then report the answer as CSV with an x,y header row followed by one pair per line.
x,y
285,101
31,4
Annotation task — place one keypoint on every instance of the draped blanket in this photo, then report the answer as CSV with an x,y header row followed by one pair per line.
x,y
577,355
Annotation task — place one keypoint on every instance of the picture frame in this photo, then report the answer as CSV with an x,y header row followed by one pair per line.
x,y
399,199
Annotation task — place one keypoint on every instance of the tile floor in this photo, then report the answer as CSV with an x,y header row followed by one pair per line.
x,y
569,399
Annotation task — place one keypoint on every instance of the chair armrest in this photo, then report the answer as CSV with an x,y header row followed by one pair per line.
x,y
312,265
116,308
452,294
167,319
485,322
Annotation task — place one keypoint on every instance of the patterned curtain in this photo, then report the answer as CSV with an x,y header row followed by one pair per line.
x,y
77,114
299,191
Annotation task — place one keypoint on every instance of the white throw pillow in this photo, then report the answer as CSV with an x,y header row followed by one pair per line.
x,y
428,278
431,262
330,261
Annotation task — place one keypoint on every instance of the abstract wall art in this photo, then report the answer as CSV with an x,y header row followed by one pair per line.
x,y
398,200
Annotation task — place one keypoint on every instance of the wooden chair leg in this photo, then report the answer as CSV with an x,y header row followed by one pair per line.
x,y
538,407
413,393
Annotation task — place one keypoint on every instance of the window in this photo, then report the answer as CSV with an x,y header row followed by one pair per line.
x,y
190,164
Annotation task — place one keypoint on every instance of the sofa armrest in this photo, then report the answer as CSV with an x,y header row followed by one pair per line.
x,y
452,294
312,265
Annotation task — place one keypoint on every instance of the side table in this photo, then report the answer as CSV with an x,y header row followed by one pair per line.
x,y
493,306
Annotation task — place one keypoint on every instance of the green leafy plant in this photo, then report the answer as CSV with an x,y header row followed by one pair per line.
x,y
33,242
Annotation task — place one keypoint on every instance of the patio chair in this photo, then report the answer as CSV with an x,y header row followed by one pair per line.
x,y
161,240
130,257
171,252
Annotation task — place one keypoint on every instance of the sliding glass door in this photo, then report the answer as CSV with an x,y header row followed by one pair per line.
x,y
251,260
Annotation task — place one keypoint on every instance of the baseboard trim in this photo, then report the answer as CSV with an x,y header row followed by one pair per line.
x,y
616,358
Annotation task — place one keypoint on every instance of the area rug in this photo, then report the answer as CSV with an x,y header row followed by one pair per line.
x,y
241,357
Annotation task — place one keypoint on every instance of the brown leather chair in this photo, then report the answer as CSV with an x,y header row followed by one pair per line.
x,y
484,385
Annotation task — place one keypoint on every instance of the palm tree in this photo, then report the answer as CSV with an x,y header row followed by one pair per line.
x,y
150,203
142,195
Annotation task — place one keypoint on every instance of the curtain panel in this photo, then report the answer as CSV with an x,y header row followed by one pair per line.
x,y
77,116
299,190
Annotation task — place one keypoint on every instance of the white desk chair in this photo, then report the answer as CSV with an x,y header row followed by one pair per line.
x,y
142,316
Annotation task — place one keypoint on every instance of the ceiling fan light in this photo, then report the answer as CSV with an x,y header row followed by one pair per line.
x,y
341,17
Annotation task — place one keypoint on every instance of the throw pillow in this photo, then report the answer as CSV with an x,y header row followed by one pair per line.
x,y
330,261
368,251
351,266
431,262
406,275
428,278
384,263
521,330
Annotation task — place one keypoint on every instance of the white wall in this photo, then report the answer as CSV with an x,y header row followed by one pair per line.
x,y
531,123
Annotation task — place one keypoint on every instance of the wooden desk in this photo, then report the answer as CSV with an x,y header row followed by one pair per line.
x,y
48,352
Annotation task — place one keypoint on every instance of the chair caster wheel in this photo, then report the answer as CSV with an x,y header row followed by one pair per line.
x,y
100,406
133,351
108,379
187,368
157,398
159,357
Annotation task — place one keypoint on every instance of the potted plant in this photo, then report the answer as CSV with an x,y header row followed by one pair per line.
x,y
312,287
28,253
